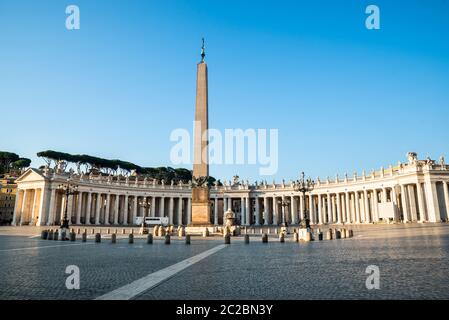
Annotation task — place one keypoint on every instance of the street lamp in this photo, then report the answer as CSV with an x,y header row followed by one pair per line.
x,y
146,204
302,185
67,189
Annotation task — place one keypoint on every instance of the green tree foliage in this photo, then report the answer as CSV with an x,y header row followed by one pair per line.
x,y
21,163
10,160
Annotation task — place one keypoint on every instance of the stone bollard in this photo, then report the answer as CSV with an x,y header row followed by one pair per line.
x,y
72,236
44,234
161,232
149,238
181,232
282,238
113,238
329,234
56,235
167,239
308,236
131,238
97,238
337,234
320,235
63,236
265,238
156,231
188,239
84,237
246,239
227,239
295,236
50,235
205,233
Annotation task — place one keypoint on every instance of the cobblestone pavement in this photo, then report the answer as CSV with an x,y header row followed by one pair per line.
x,y
413,261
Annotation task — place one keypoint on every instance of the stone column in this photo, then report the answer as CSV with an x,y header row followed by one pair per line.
x,y
135,205
311,209
365,202
265,210
70,208
51,208
412,202
433,208
375,206
125,211
404,203
320,210
248,211
395,203
242,211
348,208
33,209
179,211
357,207
23,207
446,198
153,206
275,212
384,194
170,210
225,206
78,208
107,209
88,207
189,210
162,207
257,211
97,209
419,192
294,210
216,211
329,208
338,208
302,206
116,208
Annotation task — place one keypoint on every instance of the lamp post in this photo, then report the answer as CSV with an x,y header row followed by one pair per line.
x,y
145,203
304,185
68,189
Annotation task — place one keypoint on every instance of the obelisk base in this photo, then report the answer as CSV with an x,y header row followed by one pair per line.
x,y
200,207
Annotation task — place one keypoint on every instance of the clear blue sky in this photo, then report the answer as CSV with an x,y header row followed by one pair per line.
x,y
344,98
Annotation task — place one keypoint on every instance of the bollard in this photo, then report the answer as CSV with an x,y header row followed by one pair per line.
x,y
113,238
131,238
44,234
295,237
181,232
167,239
97,238
149,238
56,235
50,235
337,234
246,239
329,235
265,238
63,236
308,236
281,238
84,237
320,235
156,231
72,236
188,239
205,233
227,239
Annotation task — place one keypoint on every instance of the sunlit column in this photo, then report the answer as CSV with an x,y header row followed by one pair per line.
x,y
125,211
179,211
88,207
294,210
116,208
265,210
404,203
257,211
170,209
216,211
97,209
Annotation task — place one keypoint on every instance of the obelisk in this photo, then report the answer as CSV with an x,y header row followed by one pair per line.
x,y
200,189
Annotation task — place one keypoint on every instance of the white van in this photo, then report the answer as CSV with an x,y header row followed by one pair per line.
x,y
152,221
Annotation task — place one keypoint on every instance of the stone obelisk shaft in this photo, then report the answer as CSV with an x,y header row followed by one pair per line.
x,y
200,194
200,164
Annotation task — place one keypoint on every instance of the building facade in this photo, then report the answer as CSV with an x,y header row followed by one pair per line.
x,y
8,189
415,191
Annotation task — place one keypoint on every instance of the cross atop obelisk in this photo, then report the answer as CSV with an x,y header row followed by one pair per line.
x,y
200,189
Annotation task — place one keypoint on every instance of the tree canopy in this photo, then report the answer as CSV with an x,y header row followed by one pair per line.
x,y
11,160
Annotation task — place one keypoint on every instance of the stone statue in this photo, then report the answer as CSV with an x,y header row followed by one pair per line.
x,y
442,161
412,157
200,181
163,182
235,180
